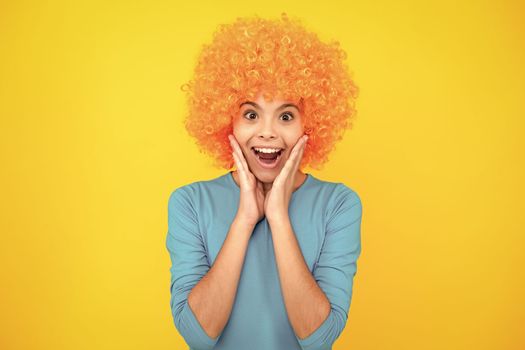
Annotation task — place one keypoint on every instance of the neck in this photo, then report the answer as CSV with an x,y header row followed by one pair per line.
x,y
267,186
300,178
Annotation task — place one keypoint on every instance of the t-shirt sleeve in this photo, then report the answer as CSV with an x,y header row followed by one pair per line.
x,y
337,264
189,265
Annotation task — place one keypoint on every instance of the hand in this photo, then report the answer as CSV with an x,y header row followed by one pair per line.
x,y
251,203
278,197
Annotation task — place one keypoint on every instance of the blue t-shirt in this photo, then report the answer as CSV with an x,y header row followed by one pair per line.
x,y
326,220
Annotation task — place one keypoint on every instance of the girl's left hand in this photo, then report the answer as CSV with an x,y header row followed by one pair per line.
x,y
278,197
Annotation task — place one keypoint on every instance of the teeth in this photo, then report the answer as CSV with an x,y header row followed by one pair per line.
x,y
267,150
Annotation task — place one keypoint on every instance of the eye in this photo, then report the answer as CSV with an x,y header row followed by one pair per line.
x,y
290,115
249,114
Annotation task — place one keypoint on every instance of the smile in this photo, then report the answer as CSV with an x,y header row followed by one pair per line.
x,y
267,160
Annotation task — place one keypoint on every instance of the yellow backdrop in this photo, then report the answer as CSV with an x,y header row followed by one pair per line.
x,y
92,145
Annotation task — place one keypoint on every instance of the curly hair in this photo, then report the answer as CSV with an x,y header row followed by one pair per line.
x,y
282,59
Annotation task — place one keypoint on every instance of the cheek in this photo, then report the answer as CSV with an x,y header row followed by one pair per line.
x,y
240,138
242,134
292,140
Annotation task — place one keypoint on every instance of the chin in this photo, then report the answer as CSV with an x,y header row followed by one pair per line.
x,y
267,176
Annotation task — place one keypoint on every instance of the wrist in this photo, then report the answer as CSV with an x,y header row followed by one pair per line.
x,y
244,222
278,219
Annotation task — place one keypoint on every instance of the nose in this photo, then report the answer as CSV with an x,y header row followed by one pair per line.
x,y
266,130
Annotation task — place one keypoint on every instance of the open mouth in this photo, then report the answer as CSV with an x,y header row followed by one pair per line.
x,y
267,160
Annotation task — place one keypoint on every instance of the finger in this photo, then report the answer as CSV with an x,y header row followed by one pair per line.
x,y
295,151
297,154
293,155
237,162
288,166
301,153
238,149
243,160
235,152
242,172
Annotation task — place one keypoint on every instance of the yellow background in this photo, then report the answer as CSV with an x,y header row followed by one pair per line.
x,y
92,145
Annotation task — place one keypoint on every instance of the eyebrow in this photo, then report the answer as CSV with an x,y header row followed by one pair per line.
x,y
259,107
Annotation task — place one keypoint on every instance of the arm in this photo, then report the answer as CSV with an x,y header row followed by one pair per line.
x,y
202,297
318,305
298,286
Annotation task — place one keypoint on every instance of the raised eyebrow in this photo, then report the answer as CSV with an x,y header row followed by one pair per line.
x,y
259,107
250,103
288,105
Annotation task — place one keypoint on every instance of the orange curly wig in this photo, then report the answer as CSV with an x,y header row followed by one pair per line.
x,y
282,59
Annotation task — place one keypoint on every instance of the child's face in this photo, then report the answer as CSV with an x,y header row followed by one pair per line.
x,y
275,124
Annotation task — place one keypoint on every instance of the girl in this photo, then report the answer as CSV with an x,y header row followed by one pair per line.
x,y
264,257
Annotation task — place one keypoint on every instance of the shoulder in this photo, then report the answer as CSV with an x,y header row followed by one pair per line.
x,y
341,201
191,192
182,193
335,192
342,192
346,207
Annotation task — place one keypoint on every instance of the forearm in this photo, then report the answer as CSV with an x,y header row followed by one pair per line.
x,y
306,304
211,300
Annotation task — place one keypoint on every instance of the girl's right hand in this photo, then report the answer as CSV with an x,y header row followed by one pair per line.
x,y
251,203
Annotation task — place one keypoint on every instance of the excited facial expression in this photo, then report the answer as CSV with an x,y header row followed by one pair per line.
x,y
261,127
